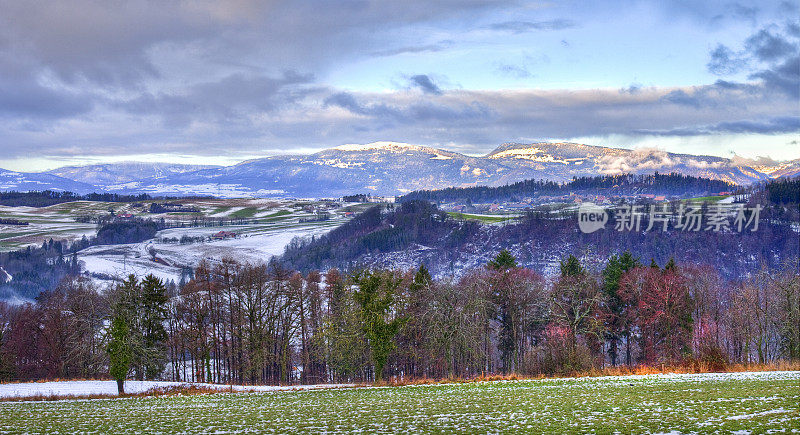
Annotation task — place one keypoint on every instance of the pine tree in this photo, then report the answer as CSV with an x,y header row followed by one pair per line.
x,y
119,351
571,267
616,267
503,261
376,297
501,266
153,315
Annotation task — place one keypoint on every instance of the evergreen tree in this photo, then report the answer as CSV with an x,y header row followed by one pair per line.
x,y
153,314
376,297
503,261
571,267
615,328
500,266
119,351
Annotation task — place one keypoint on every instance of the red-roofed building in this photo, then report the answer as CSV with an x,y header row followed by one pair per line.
x,y
222,235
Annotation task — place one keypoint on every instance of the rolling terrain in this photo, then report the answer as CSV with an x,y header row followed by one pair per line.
x,y
387,169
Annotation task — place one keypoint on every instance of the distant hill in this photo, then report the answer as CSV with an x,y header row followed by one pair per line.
x,y
27,181
391,169
109,175
610,185
416,232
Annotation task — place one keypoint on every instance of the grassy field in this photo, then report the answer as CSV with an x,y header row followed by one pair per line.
x,y
707,198
480,217
755,402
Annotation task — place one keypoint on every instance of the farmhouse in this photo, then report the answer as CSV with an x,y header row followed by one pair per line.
x,y
222,235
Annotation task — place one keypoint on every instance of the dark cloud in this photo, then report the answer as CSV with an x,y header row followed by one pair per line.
x,y
425,84
767,46
744,12
793,29
213,78
725,62
769,56
417,111
30,100
778,125
113,43
784,77
24,97
428,48
530,26
230,99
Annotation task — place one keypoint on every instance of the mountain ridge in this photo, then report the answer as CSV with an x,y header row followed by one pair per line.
x,y
393,168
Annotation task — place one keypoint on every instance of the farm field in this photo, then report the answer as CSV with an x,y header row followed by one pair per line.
x,y
747,402
262,227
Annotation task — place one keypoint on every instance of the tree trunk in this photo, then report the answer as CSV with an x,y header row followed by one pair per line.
x,y
121,386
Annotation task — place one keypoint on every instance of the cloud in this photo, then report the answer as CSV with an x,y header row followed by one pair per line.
x,y
414,49
516,71
93,77
777,125
651,159
758,161
409,112
425,83
229,99
130,44
530,26
767,46
725,62
768,55
783,77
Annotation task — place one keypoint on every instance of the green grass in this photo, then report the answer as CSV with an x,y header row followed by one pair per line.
x,y
708,198
477,217
703,403
246,212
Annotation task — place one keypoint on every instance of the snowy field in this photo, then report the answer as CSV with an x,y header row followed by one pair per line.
x,y
764,402
254,244
78,389
263,228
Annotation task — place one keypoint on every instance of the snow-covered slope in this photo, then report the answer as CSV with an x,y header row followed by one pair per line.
x,y
27,181
562,161
390,168
124,172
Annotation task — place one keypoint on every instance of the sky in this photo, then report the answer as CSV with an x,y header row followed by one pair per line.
x,y
217,82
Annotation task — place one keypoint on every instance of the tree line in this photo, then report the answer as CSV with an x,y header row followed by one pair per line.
x,y
608,185
47,198
384,234
264,324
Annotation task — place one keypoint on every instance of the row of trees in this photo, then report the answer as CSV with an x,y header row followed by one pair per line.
x,y
262,324
609,185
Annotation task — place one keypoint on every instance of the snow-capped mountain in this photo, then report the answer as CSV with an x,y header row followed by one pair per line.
x,y
392,168
561,161
124,172
28,181
789,168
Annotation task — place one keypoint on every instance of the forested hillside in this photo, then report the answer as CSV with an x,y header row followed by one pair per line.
x,y
414,233
608,185
48,197
27,273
